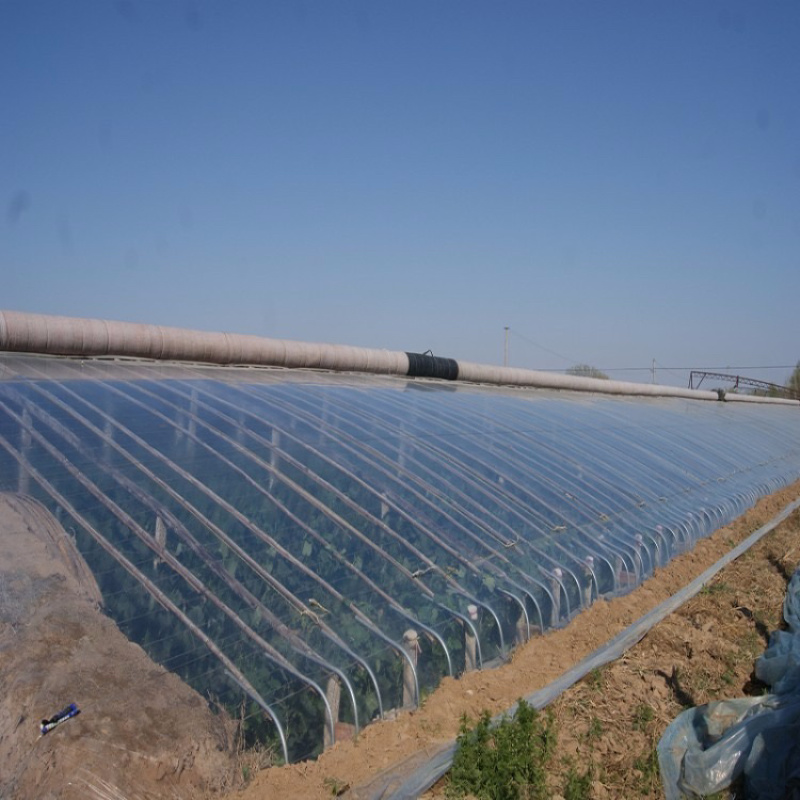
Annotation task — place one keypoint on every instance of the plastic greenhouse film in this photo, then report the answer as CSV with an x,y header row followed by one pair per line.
x,y
706,748
779,667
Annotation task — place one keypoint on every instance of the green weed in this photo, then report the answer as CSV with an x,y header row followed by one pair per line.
x,y
577,786
336,786
650,778
596,678
642,715
595,730
715,588
505,762
729,676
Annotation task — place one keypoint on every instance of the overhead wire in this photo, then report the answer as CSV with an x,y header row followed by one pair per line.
x,y
647,369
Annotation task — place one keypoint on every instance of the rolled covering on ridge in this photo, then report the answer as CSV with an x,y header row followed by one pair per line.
x,y
482,373
72,336
25,332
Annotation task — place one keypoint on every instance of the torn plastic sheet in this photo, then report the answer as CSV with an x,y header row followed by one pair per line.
x,y
705,749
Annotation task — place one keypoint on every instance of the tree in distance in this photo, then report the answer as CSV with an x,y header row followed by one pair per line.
x,y
793,383
588,371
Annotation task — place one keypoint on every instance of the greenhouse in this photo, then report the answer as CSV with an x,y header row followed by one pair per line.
x,y
325,546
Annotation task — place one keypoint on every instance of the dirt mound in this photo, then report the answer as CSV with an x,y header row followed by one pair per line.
x,y
141,732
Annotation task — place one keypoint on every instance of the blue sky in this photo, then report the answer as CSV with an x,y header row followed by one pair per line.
x,y
617,182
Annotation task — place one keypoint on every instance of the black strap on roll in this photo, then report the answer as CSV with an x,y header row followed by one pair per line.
x,y
422,365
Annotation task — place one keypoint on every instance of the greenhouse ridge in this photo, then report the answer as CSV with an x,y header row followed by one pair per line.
x,y
327,544
41,333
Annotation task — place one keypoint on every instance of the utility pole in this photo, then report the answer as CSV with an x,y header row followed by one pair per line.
x,y
653,370
505,349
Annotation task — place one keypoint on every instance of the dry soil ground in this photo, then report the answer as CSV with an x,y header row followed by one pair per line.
x,y
145,735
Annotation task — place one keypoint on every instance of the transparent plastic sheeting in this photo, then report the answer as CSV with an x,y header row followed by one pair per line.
x,y
709,747
315,550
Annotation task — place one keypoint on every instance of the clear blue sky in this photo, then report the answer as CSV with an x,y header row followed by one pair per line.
x,y
616,181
